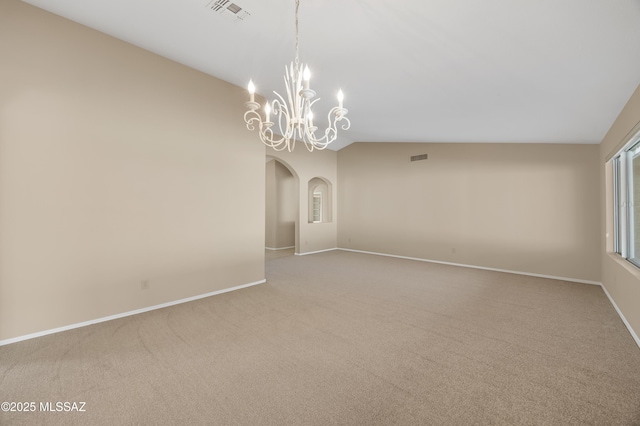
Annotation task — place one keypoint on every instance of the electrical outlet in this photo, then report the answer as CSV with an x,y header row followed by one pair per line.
x,y
144,285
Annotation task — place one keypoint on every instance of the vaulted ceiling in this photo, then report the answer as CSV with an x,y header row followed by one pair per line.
x,y
551,71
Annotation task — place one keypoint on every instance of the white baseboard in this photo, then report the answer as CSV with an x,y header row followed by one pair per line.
x,y
279,248
477,267
314,252
226,290
622,317
125,314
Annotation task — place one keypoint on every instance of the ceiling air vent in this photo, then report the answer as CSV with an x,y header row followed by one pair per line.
x,y
229,10
419,157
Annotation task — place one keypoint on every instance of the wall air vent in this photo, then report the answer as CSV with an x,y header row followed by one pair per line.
x,y
419,157
229,10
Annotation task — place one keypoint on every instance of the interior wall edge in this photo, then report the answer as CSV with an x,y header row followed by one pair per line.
x,y
620,281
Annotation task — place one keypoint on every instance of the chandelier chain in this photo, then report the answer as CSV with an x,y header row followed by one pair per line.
x,y
297,6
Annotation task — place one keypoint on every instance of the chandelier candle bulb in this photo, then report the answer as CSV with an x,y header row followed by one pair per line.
x,y
252,91
306,77
267,111
340,98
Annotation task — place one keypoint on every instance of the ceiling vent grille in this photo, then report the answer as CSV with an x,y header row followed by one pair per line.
x,y
229,10
419,157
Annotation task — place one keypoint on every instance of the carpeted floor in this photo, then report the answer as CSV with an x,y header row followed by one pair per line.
x,y
344,338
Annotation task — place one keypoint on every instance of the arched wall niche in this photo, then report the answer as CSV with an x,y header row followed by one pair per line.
x,y
320,200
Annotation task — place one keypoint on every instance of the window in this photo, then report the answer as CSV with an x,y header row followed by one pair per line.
x,y
626,201
317,207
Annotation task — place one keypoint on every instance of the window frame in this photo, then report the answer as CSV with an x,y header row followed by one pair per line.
x,y
316,195
624,200
617,200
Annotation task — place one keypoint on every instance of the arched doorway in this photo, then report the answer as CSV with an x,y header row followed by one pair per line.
x,y
281,208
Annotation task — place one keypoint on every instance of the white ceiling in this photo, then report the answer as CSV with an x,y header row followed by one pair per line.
x,y
552,71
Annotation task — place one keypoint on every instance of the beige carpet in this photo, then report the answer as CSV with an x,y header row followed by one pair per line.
x,y
350,339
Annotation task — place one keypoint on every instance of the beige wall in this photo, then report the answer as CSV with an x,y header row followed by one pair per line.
x,y
621,280
529,208
281,206
305,165
116,166
271,205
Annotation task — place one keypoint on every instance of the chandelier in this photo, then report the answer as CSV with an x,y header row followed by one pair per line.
x,y
293,114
